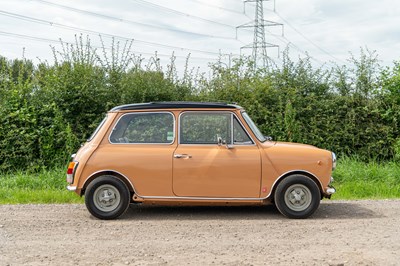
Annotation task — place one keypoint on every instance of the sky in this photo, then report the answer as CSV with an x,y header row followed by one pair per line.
x,y
328,31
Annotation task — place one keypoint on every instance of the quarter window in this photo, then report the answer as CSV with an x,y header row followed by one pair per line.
x,y
239,134
144,128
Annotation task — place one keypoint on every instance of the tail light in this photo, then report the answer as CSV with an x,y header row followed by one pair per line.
x,y
71,171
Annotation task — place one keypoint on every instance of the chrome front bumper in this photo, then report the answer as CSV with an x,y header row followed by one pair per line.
x,y
329,190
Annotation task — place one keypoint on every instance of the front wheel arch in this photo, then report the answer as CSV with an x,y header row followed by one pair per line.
x,y
297,196
288,174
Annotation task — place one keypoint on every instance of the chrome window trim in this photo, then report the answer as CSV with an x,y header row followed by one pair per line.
x,y
212,112
149,143
245,131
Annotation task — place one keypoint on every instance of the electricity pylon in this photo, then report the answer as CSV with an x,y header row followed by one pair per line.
x,y
259,45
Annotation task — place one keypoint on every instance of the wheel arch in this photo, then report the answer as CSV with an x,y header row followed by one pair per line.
x,y
291,173
114,173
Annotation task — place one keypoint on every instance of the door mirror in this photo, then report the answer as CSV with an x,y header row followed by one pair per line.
x,y
268,138
221,142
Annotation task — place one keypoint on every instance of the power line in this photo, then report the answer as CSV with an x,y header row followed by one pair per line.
x,y
173,11
305,37
28,37
86,12
308,39
40,39
288,43
59,25
218,7
170,10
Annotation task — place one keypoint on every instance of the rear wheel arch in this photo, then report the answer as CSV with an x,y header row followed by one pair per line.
x,y
109,173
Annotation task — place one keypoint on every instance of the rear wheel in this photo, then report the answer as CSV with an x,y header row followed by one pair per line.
x,y
297,196
107,197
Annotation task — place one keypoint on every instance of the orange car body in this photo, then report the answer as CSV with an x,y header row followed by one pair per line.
x,y
194,173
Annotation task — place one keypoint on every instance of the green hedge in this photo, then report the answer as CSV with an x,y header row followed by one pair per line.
x,y
47,110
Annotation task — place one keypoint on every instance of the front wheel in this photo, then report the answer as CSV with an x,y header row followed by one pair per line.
x,y
107,197
297,196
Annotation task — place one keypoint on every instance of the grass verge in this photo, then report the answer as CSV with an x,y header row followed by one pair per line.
x,y
353,180
359,180
47,186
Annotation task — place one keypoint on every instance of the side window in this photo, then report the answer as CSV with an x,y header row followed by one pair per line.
x,y
97,129
144,128
205,128
239,134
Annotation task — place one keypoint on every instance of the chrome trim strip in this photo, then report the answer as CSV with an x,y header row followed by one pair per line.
x,y
228,199
135,113
201,198
71,188
165,197
231,129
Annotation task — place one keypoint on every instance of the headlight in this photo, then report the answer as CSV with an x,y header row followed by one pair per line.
x,y
333,161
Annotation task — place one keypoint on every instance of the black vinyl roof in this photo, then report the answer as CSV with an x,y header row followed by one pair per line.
x,y
172,105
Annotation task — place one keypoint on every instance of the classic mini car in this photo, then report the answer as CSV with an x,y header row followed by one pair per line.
x,y
195,154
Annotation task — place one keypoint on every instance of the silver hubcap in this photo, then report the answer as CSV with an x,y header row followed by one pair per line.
x,y
106,198
298,197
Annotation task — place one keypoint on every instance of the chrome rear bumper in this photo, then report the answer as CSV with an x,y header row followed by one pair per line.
x,y
71,188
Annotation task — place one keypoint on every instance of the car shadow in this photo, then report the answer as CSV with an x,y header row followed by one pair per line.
x,y
327,210
345,210
147,212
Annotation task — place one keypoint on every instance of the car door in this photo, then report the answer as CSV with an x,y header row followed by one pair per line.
x,y
215,157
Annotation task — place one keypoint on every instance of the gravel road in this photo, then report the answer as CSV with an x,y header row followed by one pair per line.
x,y
339,233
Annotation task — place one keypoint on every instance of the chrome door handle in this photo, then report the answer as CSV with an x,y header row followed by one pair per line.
x,y
184,156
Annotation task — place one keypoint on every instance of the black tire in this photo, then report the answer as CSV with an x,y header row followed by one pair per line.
x,y
107,197
297,197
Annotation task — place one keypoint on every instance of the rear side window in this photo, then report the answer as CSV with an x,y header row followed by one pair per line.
x,y
97,129
145,128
